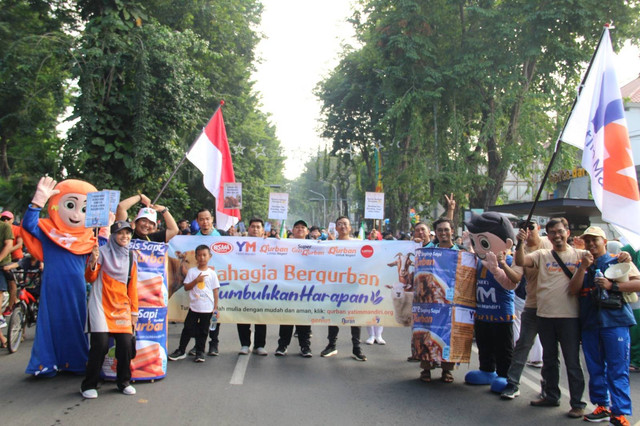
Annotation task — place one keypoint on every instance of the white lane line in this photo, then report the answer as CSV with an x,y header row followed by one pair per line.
x,y
237,378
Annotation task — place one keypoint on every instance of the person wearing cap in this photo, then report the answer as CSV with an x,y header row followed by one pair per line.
x,y
112,308
300,231
605,331
146,221
16,256
557,315
527,343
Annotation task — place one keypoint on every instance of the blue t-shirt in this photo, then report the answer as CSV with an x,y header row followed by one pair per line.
x,y
214,233
592,316
493,302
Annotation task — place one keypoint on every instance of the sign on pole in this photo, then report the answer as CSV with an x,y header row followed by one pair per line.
x,y
99,204
233,195
278,205
374,205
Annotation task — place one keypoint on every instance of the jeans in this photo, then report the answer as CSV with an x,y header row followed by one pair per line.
x,y
528,333
606,352
565,331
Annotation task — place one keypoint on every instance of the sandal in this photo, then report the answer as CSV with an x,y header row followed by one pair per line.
x,y
447,377
425,376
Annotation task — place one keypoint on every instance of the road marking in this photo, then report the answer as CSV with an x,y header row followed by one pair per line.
x,y
237,378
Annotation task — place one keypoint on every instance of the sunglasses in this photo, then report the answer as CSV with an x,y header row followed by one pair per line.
x,y
5,219
529,226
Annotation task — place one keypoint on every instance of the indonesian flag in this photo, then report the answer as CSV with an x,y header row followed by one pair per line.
x,y
597,125
210,153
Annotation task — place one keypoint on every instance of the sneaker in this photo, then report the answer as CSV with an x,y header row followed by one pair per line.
x,y
260,351
3,323
380,341
544,402
281,351
370,340
244,350
600,414
576,413
7,312
330,350
199,358
192,352
306,352
213,350
129,390
358,355
534,364
90,394
177,354
510,392
619,421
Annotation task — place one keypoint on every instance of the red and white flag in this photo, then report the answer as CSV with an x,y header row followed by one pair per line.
x,y
597,125
210,153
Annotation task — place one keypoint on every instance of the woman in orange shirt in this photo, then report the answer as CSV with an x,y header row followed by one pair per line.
x,y
113,308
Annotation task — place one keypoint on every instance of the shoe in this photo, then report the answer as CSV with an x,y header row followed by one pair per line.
x,y
380,341
619,421
129,390
413,359
576,413
177,354
90,394
600,414
544,402
213,350
7,312
244,350
192,352
371,340
510,392
199,358
330,350
306,352
534,364
281,351
260,351
3,323
358,355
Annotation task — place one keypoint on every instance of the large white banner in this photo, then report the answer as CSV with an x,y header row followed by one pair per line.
x,y
271,281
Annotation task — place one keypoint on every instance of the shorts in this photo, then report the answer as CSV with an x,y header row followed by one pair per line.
x,y
3,283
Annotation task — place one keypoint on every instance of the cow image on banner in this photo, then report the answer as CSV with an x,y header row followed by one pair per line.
x,y
150,362
444,301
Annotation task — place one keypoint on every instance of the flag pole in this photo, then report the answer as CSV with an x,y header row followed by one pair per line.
x,y
566,120
184,157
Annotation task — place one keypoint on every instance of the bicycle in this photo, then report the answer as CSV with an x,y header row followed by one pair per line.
x,y
25,311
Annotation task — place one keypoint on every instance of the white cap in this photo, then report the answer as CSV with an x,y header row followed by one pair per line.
x,y
147,213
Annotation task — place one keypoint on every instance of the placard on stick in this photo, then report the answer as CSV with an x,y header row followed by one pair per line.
x,y
374,205
233,195
278,205
99,204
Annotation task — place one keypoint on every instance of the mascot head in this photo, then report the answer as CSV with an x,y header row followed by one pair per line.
x,y
490,232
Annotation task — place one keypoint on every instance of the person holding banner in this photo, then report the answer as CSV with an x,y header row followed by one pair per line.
x,y
256,229
343,227
147,219
112,307
605,328
300,231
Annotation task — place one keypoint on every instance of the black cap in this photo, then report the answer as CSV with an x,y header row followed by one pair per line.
x,y
301,222
119,225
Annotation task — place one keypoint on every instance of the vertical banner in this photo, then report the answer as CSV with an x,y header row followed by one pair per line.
x,y
278,205
150,362
374,205
444,303
233,195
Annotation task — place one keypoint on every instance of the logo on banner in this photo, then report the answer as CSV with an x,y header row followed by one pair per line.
x,y
221,247
366,251
246,247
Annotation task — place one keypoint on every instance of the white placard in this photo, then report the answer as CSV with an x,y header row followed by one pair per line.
x,y
374,205
233,195
99,204
278,205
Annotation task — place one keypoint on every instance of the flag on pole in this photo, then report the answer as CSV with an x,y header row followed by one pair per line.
x,y
283,230
361,233
210,154
597,125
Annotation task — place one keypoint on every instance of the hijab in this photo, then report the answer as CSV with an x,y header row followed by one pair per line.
x,y
114,260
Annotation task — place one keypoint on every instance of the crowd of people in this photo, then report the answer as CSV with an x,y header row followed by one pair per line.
x,y
559,290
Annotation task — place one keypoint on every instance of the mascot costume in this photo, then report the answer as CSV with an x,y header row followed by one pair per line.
x,y
491,237
63,243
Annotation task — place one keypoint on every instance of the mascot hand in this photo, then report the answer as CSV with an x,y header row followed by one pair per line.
x,y
44,191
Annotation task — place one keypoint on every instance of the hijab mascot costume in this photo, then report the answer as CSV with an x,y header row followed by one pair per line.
x,y
63,243
492,236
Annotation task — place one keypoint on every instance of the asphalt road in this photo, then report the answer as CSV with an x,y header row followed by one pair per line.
x,y
291,390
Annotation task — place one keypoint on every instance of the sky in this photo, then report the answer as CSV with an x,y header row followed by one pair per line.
x,y
303,41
